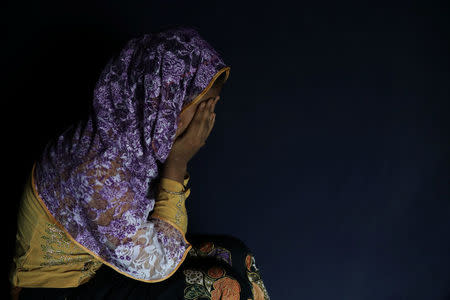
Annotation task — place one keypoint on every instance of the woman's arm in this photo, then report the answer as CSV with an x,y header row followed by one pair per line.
x,y
172,193
187,144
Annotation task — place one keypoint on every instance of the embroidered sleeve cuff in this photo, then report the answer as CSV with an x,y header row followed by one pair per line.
x,y
171,207
175,186
172,210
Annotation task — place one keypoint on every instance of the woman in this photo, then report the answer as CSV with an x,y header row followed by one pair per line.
x,y
103,213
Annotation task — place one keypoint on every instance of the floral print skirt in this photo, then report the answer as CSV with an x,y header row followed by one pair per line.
x,y
216,267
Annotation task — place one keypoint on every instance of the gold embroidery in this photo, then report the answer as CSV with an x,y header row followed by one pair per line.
x,y
88,270
180,211
171,207
57,248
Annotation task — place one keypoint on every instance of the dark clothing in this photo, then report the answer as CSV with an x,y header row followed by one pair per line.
x,y
217,267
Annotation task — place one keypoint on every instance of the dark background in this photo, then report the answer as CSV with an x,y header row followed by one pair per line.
x,y
330,152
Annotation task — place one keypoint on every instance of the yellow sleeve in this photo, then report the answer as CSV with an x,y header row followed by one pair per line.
x,y
44,255
171,207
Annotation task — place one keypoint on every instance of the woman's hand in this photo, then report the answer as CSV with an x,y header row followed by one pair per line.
x,y
194,137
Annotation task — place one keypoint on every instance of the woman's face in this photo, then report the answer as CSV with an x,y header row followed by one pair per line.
x,y
186,116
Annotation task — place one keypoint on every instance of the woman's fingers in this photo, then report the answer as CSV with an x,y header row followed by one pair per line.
x,y
197,132
206,109
203,120
213,104
210,107
206,118
211,123
212,116
200,113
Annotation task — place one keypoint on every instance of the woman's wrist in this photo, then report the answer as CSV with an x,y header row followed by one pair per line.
x,y
175,170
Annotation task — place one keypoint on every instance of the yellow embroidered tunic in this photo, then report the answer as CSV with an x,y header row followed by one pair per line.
x,y
46,257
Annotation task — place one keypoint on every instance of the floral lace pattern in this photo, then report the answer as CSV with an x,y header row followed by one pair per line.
x,y
157,247
96,177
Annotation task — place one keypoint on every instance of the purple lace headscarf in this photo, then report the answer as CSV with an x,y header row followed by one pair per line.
x,y
95,178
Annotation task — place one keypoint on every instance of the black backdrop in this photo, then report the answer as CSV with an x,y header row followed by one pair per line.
x,y
330,153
